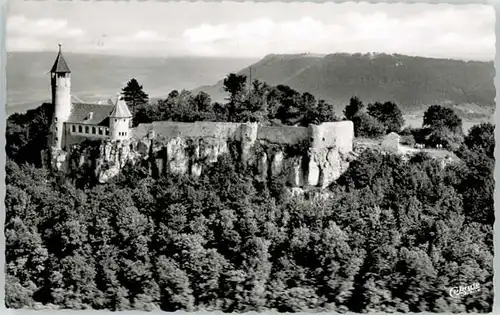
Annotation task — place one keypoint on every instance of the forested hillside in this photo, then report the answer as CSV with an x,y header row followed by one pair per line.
x,y
395,234
412,82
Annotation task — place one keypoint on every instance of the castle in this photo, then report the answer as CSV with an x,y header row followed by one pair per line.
x,y
74,122
186,148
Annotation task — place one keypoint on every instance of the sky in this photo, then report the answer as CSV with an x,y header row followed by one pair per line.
x,y
235,29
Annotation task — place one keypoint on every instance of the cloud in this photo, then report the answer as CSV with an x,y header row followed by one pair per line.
x,y
148,36
37,34
19,25
255,30
442,33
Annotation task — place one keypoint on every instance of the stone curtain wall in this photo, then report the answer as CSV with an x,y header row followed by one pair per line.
x,y
282,135
169,130
333,134
311,156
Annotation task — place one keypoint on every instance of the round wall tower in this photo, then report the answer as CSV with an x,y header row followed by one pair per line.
x,y
119,121
60,76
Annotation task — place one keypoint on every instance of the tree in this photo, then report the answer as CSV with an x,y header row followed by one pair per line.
x,y
202,102
354,107
323,112
134,95
481,137
235,85
290,110
367,126
437,116
28,133
389,114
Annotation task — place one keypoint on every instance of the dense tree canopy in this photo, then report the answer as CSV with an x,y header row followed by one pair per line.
x,y
395,234
258,103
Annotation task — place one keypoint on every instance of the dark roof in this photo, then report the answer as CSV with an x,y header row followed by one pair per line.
x,y
81,113
60,65
121,110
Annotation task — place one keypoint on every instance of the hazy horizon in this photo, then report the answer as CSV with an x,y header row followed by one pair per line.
x,y
256,58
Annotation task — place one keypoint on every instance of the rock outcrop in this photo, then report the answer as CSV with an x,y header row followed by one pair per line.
x,y
170,149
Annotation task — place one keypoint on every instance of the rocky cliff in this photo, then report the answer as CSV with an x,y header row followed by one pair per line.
x,y
308,157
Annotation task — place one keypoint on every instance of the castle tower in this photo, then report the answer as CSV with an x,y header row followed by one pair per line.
x,y
119,121
60,79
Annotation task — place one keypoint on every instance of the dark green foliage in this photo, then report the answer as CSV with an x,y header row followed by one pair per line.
x,y
440,117
235,86
134,95
478,186
395,236
481,138
27,135
441,126
355,106
259,103
368,126
388,114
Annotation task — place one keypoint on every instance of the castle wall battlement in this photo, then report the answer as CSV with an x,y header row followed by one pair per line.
x,y
170,129
338,135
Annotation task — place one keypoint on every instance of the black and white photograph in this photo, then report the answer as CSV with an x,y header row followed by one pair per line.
x,y
249,156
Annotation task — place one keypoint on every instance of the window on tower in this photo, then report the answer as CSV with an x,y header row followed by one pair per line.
x,y
73,128
100,131
80,129
93,130
86,129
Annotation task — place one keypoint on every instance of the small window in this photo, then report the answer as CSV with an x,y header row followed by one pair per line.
x,y
116,120
73,128
86,129
80,129
100,131
125,133
93,130
107,132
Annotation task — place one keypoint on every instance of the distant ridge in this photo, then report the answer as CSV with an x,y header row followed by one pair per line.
x,y
411,82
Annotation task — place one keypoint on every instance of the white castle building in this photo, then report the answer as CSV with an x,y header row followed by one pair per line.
x,y
73,123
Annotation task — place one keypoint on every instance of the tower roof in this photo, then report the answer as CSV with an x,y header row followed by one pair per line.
x,y
60,65
121,109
